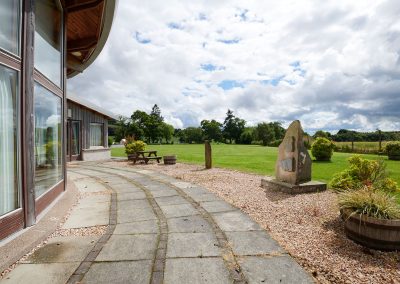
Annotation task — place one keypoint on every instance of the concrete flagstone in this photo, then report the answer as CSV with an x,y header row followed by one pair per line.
x,y
120,272
192,245
160,230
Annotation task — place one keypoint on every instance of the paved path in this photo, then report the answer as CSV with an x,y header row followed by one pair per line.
x,y
160,230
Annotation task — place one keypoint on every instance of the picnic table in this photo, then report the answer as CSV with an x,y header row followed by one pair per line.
x,y
146,156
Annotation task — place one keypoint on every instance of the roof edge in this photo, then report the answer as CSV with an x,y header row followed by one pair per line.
x,y
108,17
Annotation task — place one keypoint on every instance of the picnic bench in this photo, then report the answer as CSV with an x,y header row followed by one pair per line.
x,y
145,156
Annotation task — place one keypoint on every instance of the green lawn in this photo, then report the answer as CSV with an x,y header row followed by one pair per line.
x,y
255,159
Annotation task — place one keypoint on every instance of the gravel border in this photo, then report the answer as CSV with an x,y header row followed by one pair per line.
x,y
306,225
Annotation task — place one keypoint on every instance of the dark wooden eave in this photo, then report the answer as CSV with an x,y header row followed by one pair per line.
x,y
88,25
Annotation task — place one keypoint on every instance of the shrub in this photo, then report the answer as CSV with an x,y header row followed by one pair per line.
x,y
393,150
322,149
363,172
132,148
370,202
110,141
276,143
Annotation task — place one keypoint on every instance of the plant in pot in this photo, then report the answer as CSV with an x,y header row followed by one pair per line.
x,y
368,204
132,148
393,150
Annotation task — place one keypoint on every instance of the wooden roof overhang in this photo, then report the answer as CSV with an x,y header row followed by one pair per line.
x,y
88,26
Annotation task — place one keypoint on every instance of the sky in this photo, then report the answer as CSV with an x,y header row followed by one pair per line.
x,y
330,64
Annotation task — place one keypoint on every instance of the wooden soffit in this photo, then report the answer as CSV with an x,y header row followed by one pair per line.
x,y
88,26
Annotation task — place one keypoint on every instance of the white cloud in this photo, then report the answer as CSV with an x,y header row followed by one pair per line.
x,y
348,56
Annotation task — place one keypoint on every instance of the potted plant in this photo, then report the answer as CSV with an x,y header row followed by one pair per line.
x,y
368,204
393,150
132,148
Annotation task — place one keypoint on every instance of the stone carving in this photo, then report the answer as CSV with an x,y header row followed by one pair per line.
x,y
294,163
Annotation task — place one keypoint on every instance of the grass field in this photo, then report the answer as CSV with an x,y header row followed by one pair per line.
x,y
256,159
362,145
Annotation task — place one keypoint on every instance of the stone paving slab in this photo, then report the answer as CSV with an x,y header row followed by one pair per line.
x,y
202,197
135,215
63,249
52,273
192,245
171,200
196,271
129,247
164,193
126,188
217,206
278,269
126,205
131,196
121,272
94,200
235,221
178,210
253,243
88,217
188,224
89,185
142,227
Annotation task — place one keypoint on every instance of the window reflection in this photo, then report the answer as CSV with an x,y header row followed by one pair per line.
x,y
48,39
9,193
48,143
9,25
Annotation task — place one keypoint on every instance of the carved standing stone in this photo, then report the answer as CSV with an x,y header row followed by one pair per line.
x,y
294,163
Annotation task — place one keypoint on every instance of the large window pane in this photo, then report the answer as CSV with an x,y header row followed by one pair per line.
x,y
96,134
9,25
48,39
48,143
9,193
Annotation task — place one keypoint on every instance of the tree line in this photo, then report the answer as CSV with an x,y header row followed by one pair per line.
x,y
150,127
345,135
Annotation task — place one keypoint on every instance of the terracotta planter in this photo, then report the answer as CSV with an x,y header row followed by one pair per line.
x,y
372,232
169,160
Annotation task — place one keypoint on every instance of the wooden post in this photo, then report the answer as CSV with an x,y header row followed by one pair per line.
x,y
27,112
208,154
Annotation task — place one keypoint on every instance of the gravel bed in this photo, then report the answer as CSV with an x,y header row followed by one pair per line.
x,y
306,225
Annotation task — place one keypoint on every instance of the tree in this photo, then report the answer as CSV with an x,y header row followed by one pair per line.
x,y
122,128
278,129
193,134
247,135
167,131
212,130
265,132
232,127
153,124
138,127
322,134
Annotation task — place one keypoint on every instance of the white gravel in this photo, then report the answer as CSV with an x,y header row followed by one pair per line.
x,y
306,225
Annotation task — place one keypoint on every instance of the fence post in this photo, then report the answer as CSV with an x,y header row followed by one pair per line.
x,y
208,154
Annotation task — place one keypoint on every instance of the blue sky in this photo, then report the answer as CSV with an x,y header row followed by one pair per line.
x,y
330,64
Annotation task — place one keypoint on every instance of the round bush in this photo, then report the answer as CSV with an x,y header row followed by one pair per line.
x,y
132,148
322,149
393,150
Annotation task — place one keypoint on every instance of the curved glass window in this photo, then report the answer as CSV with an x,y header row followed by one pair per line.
x,y
9,25
48,143
9,193
48,39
